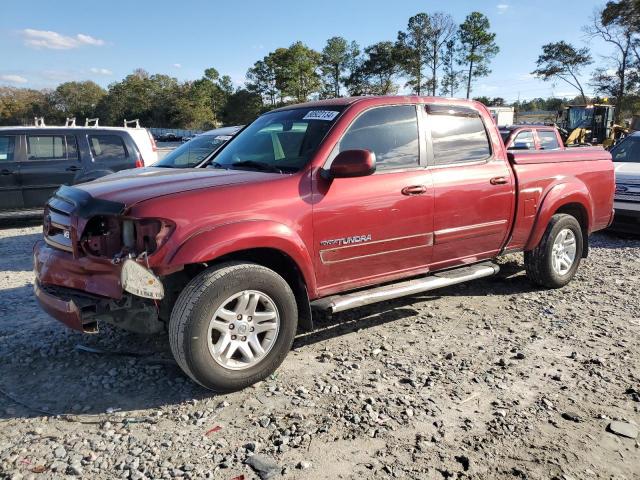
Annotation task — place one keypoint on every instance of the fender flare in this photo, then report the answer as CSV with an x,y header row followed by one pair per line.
x,y
225,239
559,195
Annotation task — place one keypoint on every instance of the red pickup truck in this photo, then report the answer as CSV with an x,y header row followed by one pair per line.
x,y
531,137
328,205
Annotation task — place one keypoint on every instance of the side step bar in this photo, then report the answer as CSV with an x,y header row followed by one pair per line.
x,y
338,303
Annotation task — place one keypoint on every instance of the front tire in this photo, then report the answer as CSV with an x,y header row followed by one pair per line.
x,y
233,325
553,263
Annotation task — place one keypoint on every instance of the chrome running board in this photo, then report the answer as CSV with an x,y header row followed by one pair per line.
x,y
339,303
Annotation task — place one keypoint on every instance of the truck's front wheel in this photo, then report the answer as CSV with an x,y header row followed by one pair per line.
x,y
233,325
554,262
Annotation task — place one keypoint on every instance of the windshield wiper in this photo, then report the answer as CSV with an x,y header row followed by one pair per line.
x,y
263,166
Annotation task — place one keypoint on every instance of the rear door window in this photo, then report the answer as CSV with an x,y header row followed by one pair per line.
x,y
107,147
52,147
458,135
523,141
7,148
548,140
389,132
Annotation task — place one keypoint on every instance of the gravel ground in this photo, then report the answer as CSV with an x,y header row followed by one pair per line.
x,y
492,379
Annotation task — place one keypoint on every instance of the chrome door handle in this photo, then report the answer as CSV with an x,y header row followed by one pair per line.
x,y
414,190
498,181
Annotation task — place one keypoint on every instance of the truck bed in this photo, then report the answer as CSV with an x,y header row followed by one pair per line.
x,y
581,176
575,154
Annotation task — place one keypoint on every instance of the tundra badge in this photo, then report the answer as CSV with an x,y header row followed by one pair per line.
x,y
346,240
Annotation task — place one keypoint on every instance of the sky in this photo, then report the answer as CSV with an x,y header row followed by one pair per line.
x,y
51,42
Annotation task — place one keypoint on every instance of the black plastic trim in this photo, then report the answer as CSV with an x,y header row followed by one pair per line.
x,y
85,205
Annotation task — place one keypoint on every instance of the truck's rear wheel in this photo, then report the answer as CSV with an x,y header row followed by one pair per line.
x,y
233,325
554,262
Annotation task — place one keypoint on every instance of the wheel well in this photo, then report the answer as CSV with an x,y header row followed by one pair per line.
x,y
578,211
273,259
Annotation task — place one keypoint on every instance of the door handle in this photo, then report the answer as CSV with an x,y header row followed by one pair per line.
x,y
414,190
73,168
498,181
4,171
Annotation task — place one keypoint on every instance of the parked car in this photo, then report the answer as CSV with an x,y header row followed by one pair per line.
x,y
198,149
626,161
328,205
531,137
35,161
169,137
144,141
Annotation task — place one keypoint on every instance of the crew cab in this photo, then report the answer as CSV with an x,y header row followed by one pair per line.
x,y
531,137
626,161
327,205
35,161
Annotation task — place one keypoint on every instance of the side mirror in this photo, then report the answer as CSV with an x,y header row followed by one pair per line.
x,y
352,163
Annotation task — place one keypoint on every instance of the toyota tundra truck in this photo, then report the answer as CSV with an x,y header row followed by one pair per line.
x,y
329,206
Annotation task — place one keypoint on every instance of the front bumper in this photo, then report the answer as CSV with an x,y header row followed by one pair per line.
x,y
91,275
72,290
67,308
80,292
627,217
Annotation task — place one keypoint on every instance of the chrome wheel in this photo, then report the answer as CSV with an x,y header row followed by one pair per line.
x,y
563,254
243,330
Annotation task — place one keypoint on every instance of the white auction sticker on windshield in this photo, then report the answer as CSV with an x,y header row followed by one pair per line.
x,y
326,115
223,138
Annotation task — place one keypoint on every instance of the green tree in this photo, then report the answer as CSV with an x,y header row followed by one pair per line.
x,y
151,98
442,30
297,71
477,47
451,77
261,79
243,106
413,51
192,106
77,99
617,24
561,60
19,106
337,56
376,71
484,100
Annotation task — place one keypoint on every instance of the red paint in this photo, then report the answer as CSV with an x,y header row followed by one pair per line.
x,y
413,221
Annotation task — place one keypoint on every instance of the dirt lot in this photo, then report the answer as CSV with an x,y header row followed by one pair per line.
x,y
493,379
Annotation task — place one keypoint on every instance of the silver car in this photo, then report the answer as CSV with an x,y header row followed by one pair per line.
x,y
198,149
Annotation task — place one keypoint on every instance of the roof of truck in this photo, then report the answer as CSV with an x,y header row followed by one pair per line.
x,y
525,125
378,99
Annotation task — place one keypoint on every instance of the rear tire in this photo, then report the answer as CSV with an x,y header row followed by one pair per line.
x,y
553,263
233,325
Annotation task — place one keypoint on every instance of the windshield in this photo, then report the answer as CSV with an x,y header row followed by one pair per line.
x,y
580,117
190,154
627,151
280,142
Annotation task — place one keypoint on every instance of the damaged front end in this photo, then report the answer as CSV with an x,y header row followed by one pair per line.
x,y
94,264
